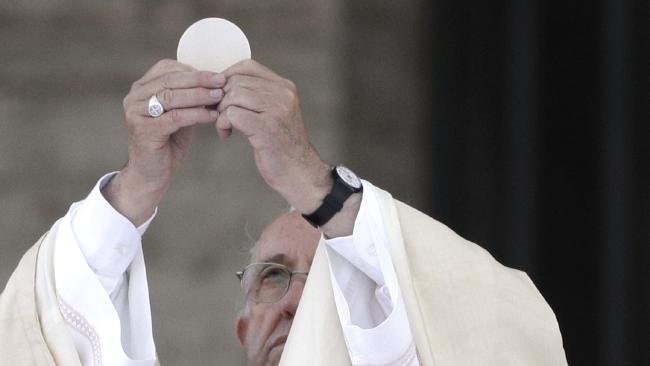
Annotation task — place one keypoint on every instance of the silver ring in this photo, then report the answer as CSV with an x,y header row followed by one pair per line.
x,y
155,108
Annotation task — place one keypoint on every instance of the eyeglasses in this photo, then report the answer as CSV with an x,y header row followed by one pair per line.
x,y
266,282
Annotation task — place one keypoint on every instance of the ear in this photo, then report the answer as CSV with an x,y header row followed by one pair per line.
x,y
242,328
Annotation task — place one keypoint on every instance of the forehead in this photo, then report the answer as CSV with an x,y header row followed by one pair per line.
x,y
289,240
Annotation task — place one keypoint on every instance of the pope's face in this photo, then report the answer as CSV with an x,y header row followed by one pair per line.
x,y
262,329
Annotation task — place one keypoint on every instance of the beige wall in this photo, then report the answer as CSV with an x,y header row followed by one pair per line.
x,y
65,66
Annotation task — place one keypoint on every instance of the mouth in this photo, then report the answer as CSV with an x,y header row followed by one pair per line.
x,y
280,341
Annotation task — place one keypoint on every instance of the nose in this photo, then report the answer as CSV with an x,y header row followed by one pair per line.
x,y
291,299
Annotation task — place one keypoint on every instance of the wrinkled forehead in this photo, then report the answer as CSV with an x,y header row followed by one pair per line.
x,y
289,240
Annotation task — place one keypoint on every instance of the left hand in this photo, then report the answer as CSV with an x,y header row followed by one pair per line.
x,y
265,108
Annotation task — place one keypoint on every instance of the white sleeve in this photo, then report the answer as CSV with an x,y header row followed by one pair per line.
x,y
108,240
366,291
101,283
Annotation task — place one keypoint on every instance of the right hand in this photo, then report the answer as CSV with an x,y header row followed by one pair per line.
x,y
157,146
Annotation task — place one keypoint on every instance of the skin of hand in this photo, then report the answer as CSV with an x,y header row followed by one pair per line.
x,y
157,146
265,108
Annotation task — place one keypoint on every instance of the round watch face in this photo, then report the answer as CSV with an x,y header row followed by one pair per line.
x,y
348,177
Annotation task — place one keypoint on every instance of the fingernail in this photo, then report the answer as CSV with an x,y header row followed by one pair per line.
x,y
219,78
214,114
216,93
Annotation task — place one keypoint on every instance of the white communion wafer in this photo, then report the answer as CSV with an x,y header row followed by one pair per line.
x,y
213,44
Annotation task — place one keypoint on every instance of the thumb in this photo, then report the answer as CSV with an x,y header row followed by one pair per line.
x,y
223,126
245,121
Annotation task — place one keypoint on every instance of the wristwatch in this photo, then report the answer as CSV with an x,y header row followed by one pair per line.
x,y
345,184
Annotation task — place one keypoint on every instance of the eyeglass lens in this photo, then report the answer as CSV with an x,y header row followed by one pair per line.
x,y
265,282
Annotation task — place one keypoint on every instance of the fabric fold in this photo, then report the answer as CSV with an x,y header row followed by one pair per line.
x,y
464,308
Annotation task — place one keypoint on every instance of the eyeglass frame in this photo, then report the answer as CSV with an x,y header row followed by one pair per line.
x,y
240,276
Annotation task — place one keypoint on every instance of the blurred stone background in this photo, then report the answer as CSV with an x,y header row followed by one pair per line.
x,y
65,66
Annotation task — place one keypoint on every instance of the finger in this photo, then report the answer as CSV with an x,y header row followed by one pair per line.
x,y
182,98
251,68
179,80
162,67
249,82
245,98
176,119
247,122
223,126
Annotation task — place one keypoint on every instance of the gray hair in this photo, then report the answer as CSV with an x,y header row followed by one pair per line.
x,y
253,244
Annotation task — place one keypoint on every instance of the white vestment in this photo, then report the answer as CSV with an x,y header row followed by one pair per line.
x,y
97,310
110,245
36,328
463,307
99,303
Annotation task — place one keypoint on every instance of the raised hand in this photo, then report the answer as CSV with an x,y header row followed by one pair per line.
x,y
158,145
266,109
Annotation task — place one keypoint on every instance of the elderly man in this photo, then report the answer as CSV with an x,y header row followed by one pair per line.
x,y
387,286
273,284
363,324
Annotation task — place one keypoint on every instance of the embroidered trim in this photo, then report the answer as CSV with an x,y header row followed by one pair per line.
x,y
407,359
81,325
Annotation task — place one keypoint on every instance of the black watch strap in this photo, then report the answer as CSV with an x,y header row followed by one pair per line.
x,y
332,203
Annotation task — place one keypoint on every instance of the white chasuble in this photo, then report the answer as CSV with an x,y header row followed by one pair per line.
x,y
32,329
463,307
37,325
366,291
22,341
